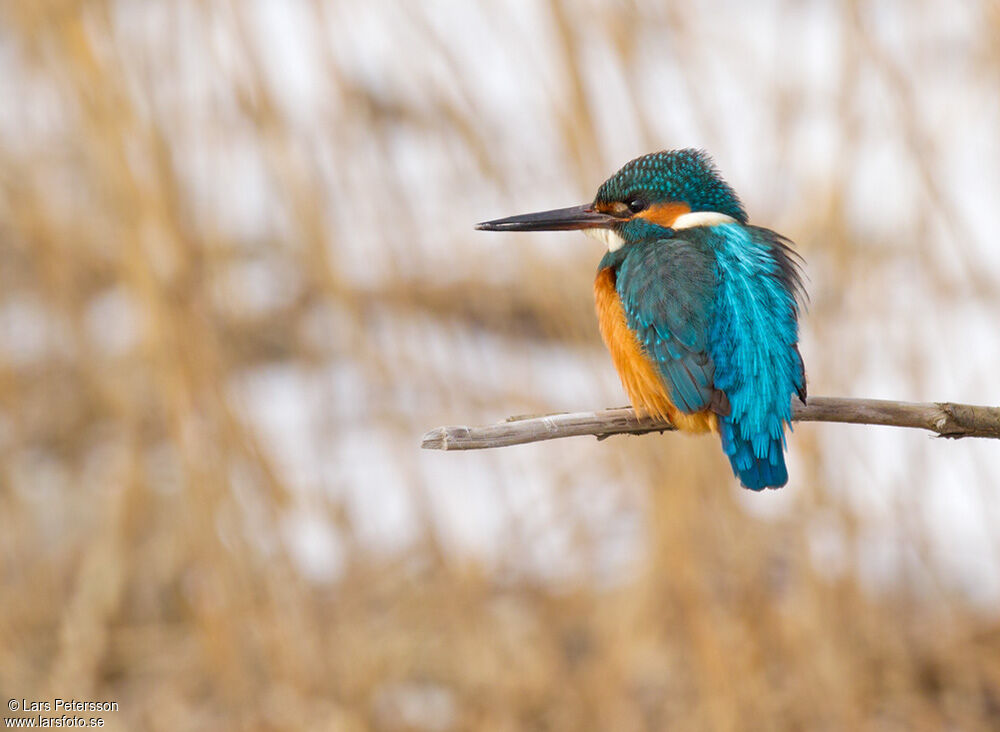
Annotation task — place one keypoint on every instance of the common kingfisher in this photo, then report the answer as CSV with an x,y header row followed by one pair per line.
x,y
698,308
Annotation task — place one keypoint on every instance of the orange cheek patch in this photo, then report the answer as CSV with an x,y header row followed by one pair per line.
x,y
664,214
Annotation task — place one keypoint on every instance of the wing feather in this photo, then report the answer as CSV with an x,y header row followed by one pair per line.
x,y
667,290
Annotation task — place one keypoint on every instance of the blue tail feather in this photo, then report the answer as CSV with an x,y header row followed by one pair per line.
x,y
758,463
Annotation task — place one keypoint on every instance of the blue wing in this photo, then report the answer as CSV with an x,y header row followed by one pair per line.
x,y
667,290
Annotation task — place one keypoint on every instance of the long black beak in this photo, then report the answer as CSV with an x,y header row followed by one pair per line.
x,y
560,219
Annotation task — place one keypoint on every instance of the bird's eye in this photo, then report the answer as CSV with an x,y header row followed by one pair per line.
x,y
636,204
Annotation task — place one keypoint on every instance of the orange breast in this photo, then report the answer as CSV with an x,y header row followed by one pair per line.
x,y
639,374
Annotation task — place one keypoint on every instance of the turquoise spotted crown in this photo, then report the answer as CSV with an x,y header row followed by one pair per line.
x,y
686,175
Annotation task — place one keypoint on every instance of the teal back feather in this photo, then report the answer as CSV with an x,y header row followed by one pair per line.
x,y
753,345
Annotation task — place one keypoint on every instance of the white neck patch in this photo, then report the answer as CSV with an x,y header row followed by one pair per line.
x,y
701,218
611,238
614,241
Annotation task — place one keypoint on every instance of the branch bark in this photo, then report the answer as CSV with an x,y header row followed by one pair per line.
x,y
942,418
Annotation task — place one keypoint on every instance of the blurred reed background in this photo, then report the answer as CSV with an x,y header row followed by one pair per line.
x,y
238,281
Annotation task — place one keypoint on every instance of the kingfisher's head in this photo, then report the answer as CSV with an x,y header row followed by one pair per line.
x,y
664,190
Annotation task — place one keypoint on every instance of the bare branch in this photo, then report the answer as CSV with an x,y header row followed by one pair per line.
x,y
943,418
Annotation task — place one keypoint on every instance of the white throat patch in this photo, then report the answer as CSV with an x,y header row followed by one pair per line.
x,y
701,218
611,238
